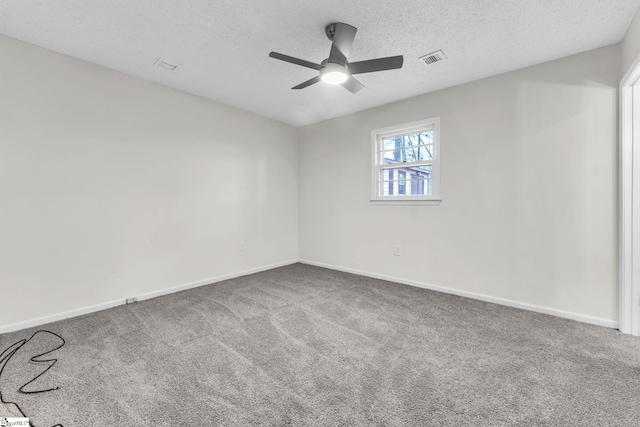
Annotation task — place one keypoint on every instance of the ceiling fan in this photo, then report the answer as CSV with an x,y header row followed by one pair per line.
x,y
336,69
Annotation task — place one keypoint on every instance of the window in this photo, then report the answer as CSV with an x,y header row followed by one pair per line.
x,y
406,163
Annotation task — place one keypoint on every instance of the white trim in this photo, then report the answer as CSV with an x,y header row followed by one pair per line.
x,y
434,202
629,228
501,301
103,306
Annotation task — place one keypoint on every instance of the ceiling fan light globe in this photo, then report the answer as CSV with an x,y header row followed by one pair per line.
x,y
334,74
334,77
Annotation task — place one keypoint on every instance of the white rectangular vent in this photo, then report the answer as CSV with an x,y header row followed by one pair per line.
x,y
432,57
163,63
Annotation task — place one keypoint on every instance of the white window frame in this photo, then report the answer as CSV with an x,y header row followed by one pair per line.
x,y
377,136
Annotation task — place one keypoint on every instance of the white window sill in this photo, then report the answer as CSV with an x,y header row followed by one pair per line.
x,y
432,202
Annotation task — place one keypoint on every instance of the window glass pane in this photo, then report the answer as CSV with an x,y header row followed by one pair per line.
x,y
408,148
408,181
408,187
417,154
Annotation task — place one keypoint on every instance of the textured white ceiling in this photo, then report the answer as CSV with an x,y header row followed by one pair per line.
x,y
222,46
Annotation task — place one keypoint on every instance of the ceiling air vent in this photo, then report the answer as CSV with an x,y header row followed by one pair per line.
x,y
432,57
163,63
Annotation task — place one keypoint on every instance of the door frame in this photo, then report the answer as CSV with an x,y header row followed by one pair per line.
x,y
629,205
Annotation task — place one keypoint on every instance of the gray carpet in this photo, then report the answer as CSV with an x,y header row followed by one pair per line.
x,y
305,346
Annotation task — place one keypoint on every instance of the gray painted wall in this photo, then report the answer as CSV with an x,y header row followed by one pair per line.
x,y
529,185
113,187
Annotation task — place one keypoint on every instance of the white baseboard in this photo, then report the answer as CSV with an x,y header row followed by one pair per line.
x,y
501,301
103,306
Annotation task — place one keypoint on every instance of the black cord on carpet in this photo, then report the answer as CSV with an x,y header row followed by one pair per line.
x,y
10,351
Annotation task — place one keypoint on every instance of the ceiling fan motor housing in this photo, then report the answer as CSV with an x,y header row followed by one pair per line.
x,y
330,30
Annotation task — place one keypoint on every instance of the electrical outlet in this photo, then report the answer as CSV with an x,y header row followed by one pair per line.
x,y
243,246
397,250
131,300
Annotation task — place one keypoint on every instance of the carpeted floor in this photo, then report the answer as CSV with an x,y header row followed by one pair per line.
x,y
306,346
